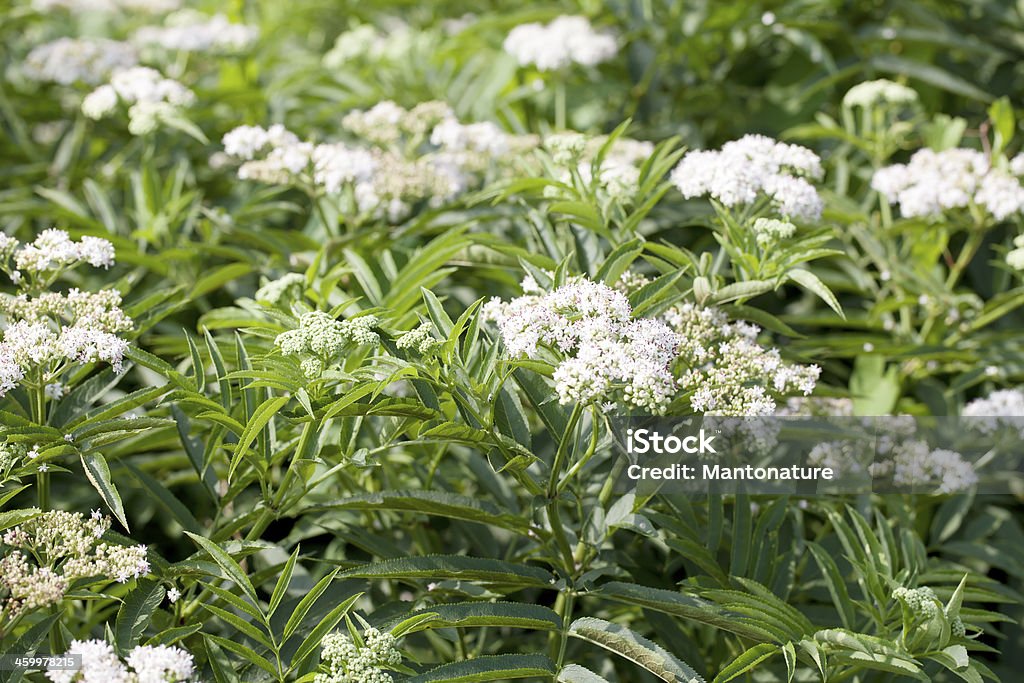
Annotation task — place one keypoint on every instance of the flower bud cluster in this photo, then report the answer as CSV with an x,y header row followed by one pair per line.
x,y
879,92
421,339
921,601
61,547
320,339
600,351
754,167
144,664
727,371
558,45
347,662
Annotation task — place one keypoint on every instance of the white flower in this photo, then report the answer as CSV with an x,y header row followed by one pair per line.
x,y
70,60
601,350
192,31
934,182
100,102
173,594
54,249
750,167
160,663
565,41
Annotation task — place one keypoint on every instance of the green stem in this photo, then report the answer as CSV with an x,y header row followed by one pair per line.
x,y
560,105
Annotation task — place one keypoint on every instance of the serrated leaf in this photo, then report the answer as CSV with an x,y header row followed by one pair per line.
x,y
489,668
460,567
98,474
631,645
135,613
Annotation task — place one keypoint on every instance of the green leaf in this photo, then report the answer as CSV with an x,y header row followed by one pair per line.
x,y
228,566
302,609
438,503
813,284
489,668
325,626
634,647
182,515
746,662
281,587
458,567
480,614
98,474
263,414
135,613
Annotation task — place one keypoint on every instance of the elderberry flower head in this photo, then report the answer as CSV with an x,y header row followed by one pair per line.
x,y
587,331
144,664
934,182
727,371
921,601
347,662
754,166
319,339
192,31
421,339
565,41
71,60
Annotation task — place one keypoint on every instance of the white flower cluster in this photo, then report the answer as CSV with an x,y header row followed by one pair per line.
x,y
933,182
565,41
881,91
914,463
369,44
67,546
192,31
70,60
754,166
727,371
144,664
55,250
108,6
618,176
51,330
347,662
1003,408
320,339
151,98
419,155
587,330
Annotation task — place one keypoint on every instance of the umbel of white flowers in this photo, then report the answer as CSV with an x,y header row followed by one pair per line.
x,y
68,547
52,330
423,154
144,664
600,351
151,98
73,60
932,183
191,31
565,41
753,167
320,339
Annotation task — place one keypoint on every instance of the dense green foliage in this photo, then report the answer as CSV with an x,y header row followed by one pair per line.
x,y
320,424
